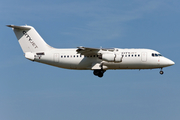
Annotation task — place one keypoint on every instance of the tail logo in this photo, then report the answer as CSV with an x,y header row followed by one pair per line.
x,y
30,39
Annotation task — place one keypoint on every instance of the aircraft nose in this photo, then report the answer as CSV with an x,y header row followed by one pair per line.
x,y
167,62
170,62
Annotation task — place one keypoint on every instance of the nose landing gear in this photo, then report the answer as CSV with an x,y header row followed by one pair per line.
x,y
161,72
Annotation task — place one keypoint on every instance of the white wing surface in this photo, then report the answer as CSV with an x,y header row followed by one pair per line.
x,y
91,51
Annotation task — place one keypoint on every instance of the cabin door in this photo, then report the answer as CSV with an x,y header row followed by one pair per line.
x,y
56,57
144,56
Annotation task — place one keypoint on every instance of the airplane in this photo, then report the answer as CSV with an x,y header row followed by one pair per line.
x,y
84,58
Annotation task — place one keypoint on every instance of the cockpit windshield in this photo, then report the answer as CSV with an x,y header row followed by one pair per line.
x,y
156,54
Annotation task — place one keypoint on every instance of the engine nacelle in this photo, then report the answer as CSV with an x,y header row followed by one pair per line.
x,y
111,57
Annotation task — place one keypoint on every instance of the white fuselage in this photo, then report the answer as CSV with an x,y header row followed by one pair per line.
x,y
132,59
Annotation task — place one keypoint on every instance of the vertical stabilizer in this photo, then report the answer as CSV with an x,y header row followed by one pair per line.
x,y
29,39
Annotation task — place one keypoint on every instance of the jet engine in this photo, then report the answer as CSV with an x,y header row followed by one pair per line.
x,y
110,57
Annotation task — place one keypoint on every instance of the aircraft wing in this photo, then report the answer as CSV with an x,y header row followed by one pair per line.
x,y
90,51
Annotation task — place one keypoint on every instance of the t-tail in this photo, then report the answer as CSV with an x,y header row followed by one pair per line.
x,y
30,41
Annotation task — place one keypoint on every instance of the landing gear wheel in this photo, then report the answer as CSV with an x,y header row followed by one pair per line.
x,y
99,73
161,72
96,72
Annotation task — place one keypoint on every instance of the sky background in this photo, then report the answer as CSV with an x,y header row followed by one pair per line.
x,y
34,91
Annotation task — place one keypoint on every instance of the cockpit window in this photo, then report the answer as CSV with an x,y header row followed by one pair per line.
x,y
156,55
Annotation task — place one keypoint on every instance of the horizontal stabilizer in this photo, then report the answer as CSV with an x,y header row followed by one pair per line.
x,y
19,27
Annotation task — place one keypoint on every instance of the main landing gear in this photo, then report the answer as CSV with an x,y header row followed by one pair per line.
x,y
161,72
99,73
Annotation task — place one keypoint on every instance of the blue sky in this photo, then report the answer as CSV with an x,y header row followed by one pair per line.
x,y
30,90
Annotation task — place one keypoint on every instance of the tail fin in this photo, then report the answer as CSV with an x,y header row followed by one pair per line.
x,y
29,39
